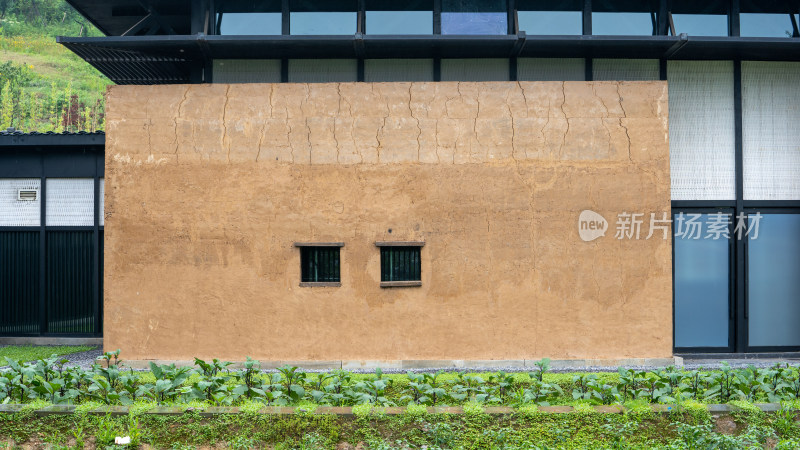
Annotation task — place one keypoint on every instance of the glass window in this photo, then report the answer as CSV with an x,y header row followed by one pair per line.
x,y
70,202
322,17
399,22
400,264
247,71
625,69
701,130
322,23
251,17
701,278
759,18
20,202
767,25
319,264
378,70
622,23
551,69
249,23
474,17
773,289
770,132
323,70
706,18
700,24
551,22
102,202
475,69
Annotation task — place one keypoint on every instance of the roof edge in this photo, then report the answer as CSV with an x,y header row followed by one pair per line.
x,y
14,139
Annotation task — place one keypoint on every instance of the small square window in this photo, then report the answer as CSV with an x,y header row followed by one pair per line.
x,y
400,264
319,264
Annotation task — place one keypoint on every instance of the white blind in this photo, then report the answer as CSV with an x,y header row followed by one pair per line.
x,y
475,69
377,70
15,212
247,71
102,201
701,130
70,202
551,69
771,130
625,69
322,70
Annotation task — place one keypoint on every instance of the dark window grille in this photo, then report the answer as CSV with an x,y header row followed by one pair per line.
x,y
319,265
400,264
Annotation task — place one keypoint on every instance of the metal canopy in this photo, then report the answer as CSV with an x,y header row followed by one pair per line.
x,y
169,59
128,66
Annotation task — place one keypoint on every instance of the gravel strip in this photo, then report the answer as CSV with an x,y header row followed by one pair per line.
x,y
83,360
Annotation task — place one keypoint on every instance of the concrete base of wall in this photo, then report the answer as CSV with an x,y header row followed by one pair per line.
x,y
51,341
508,364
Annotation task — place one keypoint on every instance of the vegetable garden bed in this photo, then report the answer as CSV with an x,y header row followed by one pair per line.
x,y
45,403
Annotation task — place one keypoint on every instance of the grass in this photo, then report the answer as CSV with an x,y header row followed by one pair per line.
x,y
409,430
52,63
34,352
42,82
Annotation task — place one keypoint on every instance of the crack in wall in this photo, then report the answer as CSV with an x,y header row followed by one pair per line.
x,y
602,121
335,139
291,146
149,137
271,104
225,124
624,116
261,138
308,141
175,121
524,98
419,130
469,145
563,102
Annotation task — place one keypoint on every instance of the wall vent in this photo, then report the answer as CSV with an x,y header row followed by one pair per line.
x,y
27,195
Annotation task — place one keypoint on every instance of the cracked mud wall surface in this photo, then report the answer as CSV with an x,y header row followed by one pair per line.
x,y
209,186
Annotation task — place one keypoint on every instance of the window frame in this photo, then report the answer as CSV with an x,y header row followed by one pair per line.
x,y
386,246
319,245
726,209
751,207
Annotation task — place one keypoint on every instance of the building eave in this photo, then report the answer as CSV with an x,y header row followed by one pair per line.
x,y
168,59
16,140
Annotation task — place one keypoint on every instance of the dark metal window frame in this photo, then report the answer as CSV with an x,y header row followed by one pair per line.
x,y
740,205
46,161
660,11
408,280
729,209
778,207
309,249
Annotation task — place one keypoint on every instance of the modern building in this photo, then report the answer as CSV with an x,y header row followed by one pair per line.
x,y
371,182
51,234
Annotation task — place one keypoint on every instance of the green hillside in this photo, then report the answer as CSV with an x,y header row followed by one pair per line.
x,y
43,86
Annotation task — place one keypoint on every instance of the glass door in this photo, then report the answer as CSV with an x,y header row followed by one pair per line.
x,y
772,309
702,287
